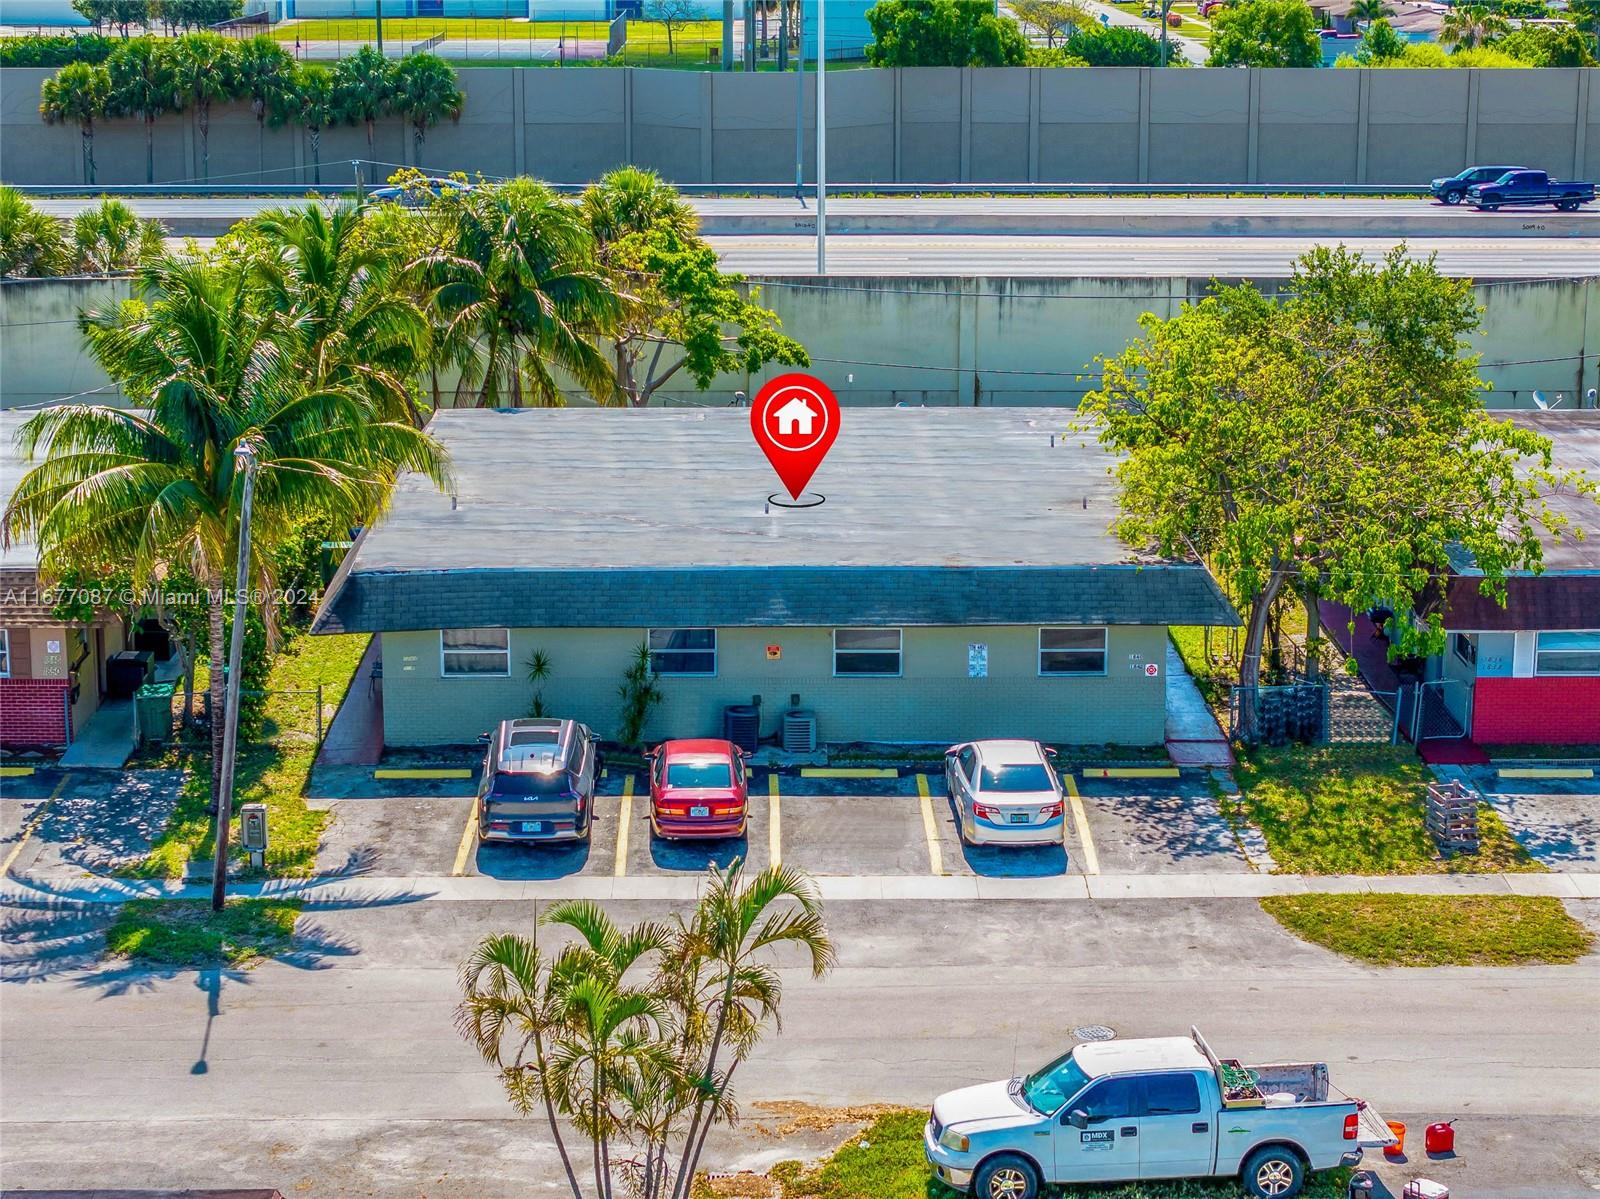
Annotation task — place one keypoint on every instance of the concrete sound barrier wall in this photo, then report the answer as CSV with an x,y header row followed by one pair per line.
x,y
921,125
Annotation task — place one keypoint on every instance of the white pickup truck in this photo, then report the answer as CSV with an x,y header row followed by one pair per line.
x,y
1167,1107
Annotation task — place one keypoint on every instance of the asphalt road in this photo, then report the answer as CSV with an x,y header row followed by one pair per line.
x,y
337,1072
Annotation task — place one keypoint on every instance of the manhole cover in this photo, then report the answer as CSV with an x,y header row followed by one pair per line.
x,y
1094,1032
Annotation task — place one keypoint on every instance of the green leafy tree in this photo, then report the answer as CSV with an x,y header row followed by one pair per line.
x,y
1331,445
31,244
264,74
1548,46
204,67
1053,20
1265,33
1470,25
306,99
34,50
120,15
943,33
196,14
79,94
425,93
1368,11
516,279
672,16
363,89
144,85
212,368
1585,14
683,313
1380,44
111,237
1114,46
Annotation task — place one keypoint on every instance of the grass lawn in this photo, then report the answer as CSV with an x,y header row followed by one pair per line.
x,y
1358,810
1213,674
1436,930
271,769
185,932
884,1161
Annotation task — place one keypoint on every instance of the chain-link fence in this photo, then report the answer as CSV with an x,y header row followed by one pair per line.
x,y
1341,711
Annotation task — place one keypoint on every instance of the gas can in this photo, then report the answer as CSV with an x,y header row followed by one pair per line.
x,y
1441,1138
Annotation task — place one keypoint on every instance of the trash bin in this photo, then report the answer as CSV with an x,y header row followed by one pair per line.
x,y
152,705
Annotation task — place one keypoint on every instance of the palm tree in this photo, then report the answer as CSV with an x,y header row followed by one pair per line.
x,y
516,275
425,93
111,237
307,100
31,245
204,70
634,200
263,74
79,92
734,924
1367,11
214,369
363,89
356,324
143,84
1470,25
511,1013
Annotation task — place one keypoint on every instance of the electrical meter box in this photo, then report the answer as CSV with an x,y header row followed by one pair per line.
x,y
253,827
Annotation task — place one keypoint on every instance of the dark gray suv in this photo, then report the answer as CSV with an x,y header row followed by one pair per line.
x,y
538,781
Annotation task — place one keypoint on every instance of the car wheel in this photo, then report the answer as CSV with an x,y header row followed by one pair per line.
x,y
1005,1177
1274,1173
1568,206
1453,196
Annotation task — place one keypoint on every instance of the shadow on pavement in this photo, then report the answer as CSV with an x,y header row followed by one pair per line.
x,y
1016,861
697,855
557,860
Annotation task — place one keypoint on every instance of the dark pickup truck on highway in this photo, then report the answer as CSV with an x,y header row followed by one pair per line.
x,y
1522,188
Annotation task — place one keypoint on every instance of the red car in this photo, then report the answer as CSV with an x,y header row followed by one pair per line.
x,y
697,789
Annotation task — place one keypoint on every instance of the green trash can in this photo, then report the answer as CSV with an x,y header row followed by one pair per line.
x,y
153,707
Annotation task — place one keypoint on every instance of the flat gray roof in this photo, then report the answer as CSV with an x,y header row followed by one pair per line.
x,y
660,516
22,555
1576,446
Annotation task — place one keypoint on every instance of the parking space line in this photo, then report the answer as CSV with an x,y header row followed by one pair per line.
x,y
624,818
1080,821
849,772
775,822
430,773
38,818
468,836
930,827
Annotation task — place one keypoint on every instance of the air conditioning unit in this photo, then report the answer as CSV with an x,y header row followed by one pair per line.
x,y
799,731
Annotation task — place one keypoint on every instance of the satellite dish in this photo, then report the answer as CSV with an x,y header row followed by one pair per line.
x,y
1539,402
1589,398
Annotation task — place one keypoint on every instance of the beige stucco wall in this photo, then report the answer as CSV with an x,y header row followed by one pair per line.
x,y
933,700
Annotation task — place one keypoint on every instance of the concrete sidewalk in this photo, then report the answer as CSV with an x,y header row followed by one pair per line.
x,y
420,888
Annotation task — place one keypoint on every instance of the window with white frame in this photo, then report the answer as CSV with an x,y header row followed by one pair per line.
x,y
5,654
1072,651
866,651
475,651
1568,653
683,651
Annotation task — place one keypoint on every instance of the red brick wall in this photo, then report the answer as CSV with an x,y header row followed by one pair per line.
x,y
1549,711
33,711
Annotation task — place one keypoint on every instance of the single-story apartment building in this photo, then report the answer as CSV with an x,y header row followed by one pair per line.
x,y
1529,672
959,580
52,672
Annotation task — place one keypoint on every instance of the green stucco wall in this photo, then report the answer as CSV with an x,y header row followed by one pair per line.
x,y
934,699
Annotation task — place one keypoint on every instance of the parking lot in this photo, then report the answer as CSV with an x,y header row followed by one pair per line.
x,y
850,827
1555,820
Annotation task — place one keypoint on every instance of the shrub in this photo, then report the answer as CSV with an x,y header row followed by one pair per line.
x,y
37,51
1114,46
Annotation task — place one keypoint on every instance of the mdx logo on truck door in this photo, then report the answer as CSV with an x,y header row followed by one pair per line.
x,y
1098,1139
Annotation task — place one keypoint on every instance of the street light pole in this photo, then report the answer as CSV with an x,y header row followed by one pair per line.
x,y
244,458
380,25
800,104
822,137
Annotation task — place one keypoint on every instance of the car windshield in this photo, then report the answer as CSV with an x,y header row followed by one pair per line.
x,y
1048,1088
520,786
699,774
1020,776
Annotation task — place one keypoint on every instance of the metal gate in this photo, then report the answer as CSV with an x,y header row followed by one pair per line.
x,y
1441,711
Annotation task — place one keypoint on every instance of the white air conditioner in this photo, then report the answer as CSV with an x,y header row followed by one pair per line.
x,y
799,731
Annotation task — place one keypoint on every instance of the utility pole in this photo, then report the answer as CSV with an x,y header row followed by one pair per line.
x,y
380,25
244,458
800,103
727,35
822,137
1166,7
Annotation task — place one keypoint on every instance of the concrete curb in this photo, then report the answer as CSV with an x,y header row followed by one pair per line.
x,y
839,889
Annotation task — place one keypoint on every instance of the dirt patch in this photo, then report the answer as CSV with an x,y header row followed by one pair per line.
x,y
790,1116
742,1185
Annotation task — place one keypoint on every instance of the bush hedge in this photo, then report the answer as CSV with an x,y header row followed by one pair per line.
x,y
36,50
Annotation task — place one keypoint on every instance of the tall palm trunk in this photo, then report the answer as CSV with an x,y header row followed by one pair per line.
x,y
204,120
316,154
88,151
684,1182
149,149
550,1115
698,1148
218,694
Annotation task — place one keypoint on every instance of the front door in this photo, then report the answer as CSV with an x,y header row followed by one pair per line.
x,y
1107,1150
1175,1136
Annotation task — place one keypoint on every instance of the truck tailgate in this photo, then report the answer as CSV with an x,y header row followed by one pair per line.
x,y
1375,1132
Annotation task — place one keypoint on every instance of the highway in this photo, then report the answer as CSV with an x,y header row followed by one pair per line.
x,y
1103,216
1140,257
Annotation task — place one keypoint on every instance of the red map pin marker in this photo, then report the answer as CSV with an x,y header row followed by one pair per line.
x,y
795,420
